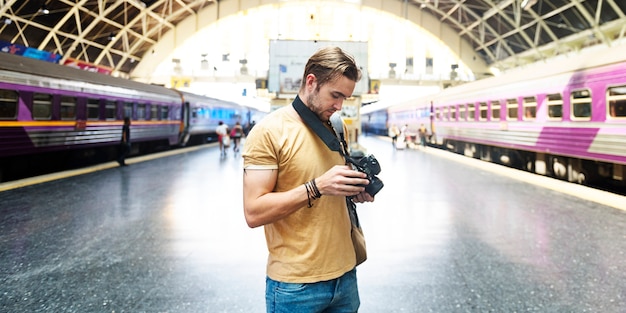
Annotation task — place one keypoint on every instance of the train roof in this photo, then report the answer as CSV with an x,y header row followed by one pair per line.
x,y
200,99
15,63
552,73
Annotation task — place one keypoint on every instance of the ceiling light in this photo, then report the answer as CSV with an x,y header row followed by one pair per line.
x,y
44,10
527,4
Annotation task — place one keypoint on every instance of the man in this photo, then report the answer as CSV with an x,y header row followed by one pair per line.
x,y
236,134
222,133
423,133
124,147
296,187
393,133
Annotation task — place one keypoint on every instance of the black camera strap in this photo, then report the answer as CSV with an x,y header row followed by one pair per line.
x,y
311,120
332,141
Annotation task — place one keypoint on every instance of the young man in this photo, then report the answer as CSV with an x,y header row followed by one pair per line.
x,y
393,133
124,147
222,131
311,265
236,134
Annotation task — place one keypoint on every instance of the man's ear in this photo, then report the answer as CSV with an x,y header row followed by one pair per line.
x,y
311,82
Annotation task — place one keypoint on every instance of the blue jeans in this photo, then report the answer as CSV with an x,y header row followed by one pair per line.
x,y
339,295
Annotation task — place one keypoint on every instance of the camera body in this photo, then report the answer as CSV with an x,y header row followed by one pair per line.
x,y
369,165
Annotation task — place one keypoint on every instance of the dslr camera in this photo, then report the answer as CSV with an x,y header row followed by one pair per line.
x,y
369,165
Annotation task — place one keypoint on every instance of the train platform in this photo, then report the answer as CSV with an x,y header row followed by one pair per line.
x,y
446,234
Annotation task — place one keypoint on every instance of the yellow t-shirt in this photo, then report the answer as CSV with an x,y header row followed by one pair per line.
x,y
312,244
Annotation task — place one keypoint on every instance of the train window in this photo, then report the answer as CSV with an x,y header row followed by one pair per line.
x,y
616,98
110,110
483,111
93,109
555,106
438,113
128,110
206,113
165,113
462,112
511,109
8,104
177,112
581,104
446,114
141,111
154,112
471,111
68,108
495,110
423,113
42,106
530,108
453,112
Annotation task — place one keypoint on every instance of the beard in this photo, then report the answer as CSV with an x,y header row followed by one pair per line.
x,y
313,104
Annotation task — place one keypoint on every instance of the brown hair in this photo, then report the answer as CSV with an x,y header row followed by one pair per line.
x,y
328,63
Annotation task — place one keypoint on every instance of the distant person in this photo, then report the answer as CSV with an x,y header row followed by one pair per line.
x,y
422,132
404,133
222,136
250,126
236,135
394,132
124,147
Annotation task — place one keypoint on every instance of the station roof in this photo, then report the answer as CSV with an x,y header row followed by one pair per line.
x,y
117,33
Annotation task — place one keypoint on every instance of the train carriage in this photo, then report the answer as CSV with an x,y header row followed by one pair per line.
x,y
51,110
46,107
563,118
374,123
203,114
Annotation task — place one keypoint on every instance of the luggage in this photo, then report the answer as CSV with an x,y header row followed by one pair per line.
x,y
400,144
226,141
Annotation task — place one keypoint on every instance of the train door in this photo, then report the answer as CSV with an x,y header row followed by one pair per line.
x,y
184,131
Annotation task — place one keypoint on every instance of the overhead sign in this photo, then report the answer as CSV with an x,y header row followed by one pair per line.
x,y
17,49
288,58
87,66
178,82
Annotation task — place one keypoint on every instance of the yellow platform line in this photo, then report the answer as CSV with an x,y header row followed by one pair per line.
x,y
81,171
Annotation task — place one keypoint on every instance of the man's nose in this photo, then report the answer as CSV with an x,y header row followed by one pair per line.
x,y
338,104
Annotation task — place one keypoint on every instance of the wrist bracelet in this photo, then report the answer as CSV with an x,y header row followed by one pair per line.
x,y
312,192
315,190
308,194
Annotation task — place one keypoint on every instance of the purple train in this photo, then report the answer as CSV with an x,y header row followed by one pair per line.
x,y
45,107
564,118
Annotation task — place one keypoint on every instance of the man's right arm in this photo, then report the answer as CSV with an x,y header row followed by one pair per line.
x,y
262,205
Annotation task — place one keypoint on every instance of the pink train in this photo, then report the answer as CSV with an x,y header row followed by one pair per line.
x,y
564,118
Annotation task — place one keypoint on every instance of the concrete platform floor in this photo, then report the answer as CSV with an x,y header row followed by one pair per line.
x,y
168,235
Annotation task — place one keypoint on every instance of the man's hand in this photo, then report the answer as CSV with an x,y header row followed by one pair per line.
x,y
341,180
